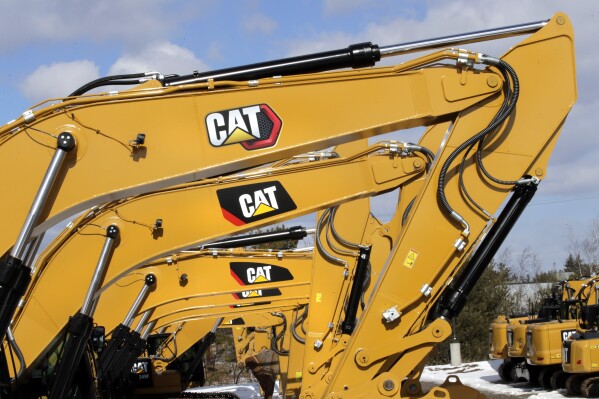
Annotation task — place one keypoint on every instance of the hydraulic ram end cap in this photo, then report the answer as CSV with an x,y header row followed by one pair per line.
x,y
364,54
150,280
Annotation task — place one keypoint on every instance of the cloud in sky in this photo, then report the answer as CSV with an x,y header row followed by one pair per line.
x,y
131,21
164,57
183,36
58,79
260,23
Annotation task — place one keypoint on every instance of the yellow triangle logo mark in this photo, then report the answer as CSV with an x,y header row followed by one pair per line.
x,y
238,136
253,294
260,279
263,208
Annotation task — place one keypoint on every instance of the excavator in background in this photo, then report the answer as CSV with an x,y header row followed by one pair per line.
x,y
544,340
517,366
498,344
492,124
580,352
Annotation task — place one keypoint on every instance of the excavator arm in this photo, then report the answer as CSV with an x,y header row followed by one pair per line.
x,y
85,151
185,226
493,124
413,287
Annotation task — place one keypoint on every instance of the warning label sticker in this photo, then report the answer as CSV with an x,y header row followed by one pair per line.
x,y
410,259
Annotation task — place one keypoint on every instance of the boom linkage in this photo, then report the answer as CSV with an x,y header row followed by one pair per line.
x,y
381,298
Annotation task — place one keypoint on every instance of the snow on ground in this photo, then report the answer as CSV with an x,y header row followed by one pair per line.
x,y
244,391
480,375
483,377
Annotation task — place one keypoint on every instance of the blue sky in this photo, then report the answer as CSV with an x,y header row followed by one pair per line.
x,y
49,48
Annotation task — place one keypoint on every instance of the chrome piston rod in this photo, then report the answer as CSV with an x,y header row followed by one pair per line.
x,y
112,233
149,283
462,38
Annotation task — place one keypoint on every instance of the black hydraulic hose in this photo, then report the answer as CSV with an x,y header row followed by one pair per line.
x,y
280,336
454,298
428,153
508,72
300,320
506,109
108,80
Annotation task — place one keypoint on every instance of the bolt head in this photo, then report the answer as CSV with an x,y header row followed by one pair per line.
x,y
388,385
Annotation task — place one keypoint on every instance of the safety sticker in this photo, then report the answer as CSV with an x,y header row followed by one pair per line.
x,y
410,259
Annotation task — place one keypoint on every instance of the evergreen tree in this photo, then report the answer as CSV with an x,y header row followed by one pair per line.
x,y
489,298
576,266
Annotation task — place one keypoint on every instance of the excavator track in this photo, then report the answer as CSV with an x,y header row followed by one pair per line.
x,y
208,395
573,384
590,387
558,380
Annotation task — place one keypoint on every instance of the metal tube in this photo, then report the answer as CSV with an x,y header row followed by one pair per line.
x,y
148,330
463,38
141,297
144,319
216,324
292,233
11,339
454,298
66,142
33,249
111,233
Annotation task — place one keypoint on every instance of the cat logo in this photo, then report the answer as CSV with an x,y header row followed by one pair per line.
x,y
254,127
252,202
566,334
257,293
140,373
259,274
246,273
262,201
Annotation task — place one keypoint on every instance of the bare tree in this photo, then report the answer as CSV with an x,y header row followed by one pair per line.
x,y
590,245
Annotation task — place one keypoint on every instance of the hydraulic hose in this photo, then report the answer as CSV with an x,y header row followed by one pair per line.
x,y
505,110
111,80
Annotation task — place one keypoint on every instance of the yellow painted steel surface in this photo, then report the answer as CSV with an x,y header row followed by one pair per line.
x,y
368,359
415,256
498,338
544,340
316,111
81,244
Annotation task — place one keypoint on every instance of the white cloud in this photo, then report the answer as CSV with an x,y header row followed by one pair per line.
x,y
579,146
58,79
129,22
259,23
164,57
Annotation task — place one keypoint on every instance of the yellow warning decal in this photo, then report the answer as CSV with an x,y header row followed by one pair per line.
x,y
410,259
319,297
